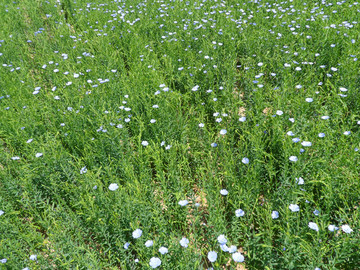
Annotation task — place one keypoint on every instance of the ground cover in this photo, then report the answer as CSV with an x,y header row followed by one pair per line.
x,y
179,134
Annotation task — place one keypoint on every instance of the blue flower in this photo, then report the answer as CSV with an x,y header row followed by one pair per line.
x,y
184,242
137,233
237,257
212,256
155,262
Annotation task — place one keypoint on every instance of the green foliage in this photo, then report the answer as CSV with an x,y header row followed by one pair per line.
x,y
102,66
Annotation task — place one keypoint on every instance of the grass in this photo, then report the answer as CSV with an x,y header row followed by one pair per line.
x,y
103,66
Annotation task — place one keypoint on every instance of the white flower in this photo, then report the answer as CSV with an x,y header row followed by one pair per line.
x,y
149,243
321,135
294,207
155,262
237,257
223,132
38,155
29,140
201,125
325,117
15,158
316,212
33,257
232,249
224,192
313,226
290,133
296,140
278,112
152,121
305,143
213,144
195,88
309,100
245,160
1,212
3,260
242,119
83,170
346,228
144,143
275,214
293,158
239,213
184,242
221,239
212,256
342,89
113,187
347,132
137,233
299,181
163,250
292,120
183,202
332,228
224,248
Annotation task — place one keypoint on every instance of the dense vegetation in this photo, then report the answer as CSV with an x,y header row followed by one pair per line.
x,y
179,134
